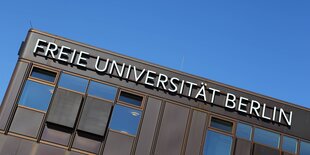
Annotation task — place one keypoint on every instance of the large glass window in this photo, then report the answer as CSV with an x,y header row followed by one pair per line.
x,y
304,148
43,74
266,137
101,90
73,82
221,124
289,144
131,98
244,131
217,144
36,95
125,119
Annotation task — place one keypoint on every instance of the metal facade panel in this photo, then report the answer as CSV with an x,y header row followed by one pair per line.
x,y
49,150
172,130
196,133
95,116
9,145
56,134
26,122
86,143
118,144
147,131
11,94
64,108
242,147
264,150
297,129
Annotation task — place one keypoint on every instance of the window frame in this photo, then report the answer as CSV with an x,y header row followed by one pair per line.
x,y
299,146
118,101
268,130
233,128
22,90
104,83
75,75
252,131
282,141
232,136
41,80
139,124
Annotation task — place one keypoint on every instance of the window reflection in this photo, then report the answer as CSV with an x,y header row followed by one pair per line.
x,y
125,119
43,74
221,124
289,144
266,137
101,90
36,95
131,98
217,144
244,131
304,148
73,82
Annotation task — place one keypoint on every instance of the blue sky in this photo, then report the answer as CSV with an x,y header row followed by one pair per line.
x,y
261,46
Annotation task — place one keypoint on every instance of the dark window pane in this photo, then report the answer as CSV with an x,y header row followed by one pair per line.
x,y
64,108
131,98
266,137
36,95
217,144
73,82
221,124
304,148
244,131
101,90
289,144
125,119
43,74
95,116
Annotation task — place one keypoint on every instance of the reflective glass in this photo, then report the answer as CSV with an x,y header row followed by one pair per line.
x,y
125,119
304,148
101,90
289,144
217,144
221,124
131,98
43,74
244,131
73,82
266,137
36,95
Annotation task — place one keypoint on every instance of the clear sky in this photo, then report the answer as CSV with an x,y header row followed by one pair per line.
x,y
261,46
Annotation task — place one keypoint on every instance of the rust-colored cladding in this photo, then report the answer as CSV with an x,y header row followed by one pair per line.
x,y
170,123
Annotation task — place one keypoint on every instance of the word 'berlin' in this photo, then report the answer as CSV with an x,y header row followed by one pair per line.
x,y
161,81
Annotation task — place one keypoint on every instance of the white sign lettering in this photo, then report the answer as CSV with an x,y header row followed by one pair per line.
x,y
162,81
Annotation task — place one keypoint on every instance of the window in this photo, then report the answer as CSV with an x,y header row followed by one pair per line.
x,y
102,90
73,82
244,131
125,120
131,98
36,95
304,148
217,144
289,145
43,74
266,137
221,124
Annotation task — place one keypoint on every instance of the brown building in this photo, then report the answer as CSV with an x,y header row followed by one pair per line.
x,y
68,98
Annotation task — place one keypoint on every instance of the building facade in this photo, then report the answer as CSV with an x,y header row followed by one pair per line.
x,y
69,98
